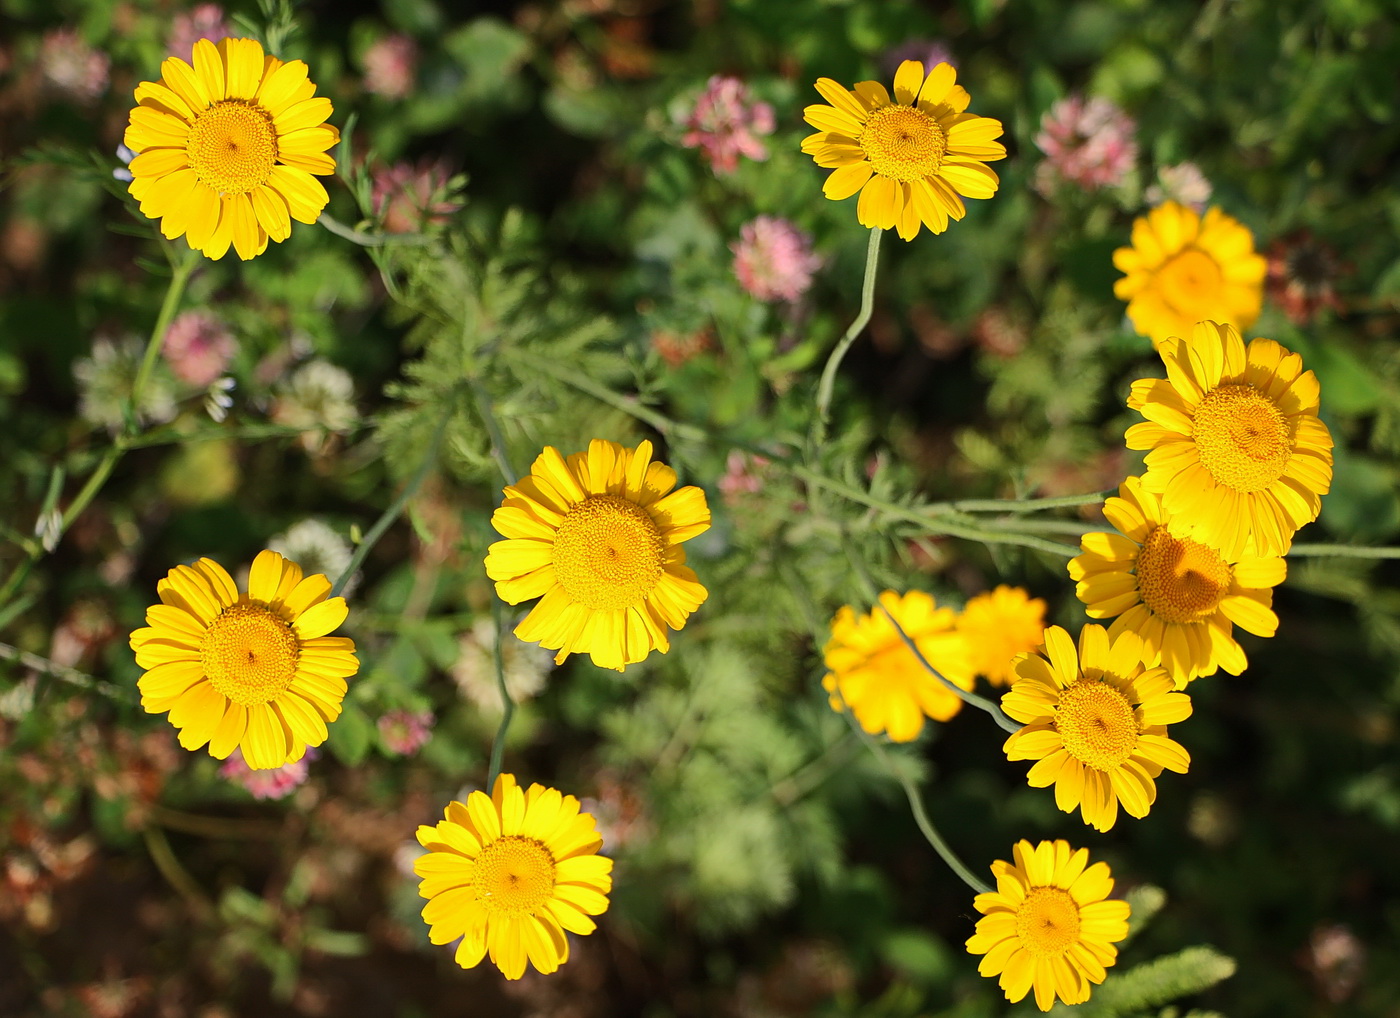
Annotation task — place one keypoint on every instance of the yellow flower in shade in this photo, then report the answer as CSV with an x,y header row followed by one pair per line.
x,y
1048,926
1095,722
509,873
254,671
1182,597
226,148
999,625
912,158
1182,269
1236,449
597,539
876,675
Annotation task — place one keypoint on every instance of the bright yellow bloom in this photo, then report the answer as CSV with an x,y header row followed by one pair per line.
x,y
1237,449
1096,722
254,671
911,157
999,625
226,148
876,675
597,539
1183,598
509,873
1182,269
1048,926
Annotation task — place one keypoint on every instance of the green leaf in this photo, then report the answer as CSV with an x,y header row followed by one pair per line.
x,y
351,735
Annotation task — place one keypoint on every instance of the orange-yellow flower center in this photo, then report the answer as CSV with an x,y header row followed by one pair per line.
x,y
232,146
903,142
1096,724
608,553
1179,579
1047,922
514,875
249,654
1243,439
1189,281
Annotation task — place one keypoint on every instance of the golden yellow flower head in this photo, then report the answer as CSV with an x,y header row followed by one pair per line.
x,y
226,148
876,675
1236,449
999,625
254,671
912,158
1048,926
597,539
1096,723
509,873
1182,597
1182,268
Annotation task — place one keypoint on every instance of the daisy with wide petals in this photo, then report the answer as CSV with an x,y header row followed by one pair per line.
x,y
1182,597
1182,268
257,671
999,625
597,538
913,158
1236,449
1096,723
509,873
1049,926
227,147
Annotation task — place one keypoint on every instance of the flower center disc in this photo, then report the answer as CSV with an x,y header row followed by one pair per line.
x,y
514,875
232,146
249,654
607,553
1180,580
1190,280
1048,922
903,142
1242,437
1096,724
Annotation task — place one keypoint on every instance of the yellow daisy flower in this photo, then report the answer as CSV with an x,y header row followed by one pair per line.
x,y
1236,446
597,539
1048,926
914,157
1182,268
254,671
508,873
876,675
999,625
1096,723
1182,597
226,148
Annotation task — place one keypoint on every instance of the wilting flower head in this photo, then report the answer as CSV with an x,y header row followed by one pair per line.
x,y
71,66
403,732
390,66
525,666
509,873
726,124
912,158
999,625
773,259
227,148
276,783
198,347
1184,184
1302,269
410,197
318,395
105,380
1087,143
203,21
1049,926
317,547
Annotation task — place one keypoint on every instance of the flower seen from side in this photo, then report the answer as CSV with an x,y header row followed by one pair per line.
x,y
726,123
229,147
873,672
403,732
509,874
596,537
1184,184
913,157
277,783
999,625
773,259
1235,446
1182,597
198,347
1095,723
256,671
1182,268
1088,143
1049,927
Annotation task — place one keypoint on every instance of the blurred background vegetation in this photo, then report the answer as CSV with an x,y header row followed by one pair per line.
x,y
569,253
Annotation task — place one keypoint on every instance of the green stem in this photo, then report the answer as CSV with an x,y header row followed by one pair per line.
x,y
65,674
867,306
1022,505
487,409
1342,551
182,267
498,744
364,239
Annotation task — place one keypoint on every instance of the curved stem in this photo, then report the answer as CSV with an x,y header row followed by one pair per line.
x,y
498,744
1022,505
867,306
1343,551
364,239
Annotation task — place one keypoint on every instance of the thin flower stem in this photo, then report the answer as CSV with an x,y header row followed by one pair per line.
x,y
1343,551
69,675
176,875
364,239
498,744
181,267
867,306
1022,505
487,410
